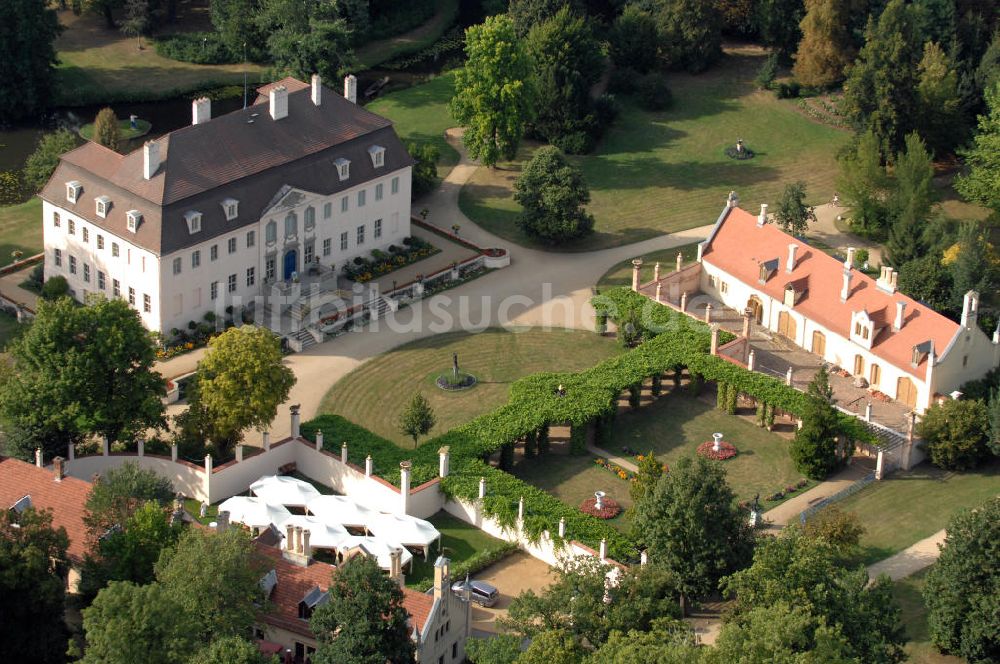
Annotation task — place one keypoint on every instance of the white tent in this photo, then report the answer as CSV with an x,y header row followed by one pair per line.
x,y
342,510
283,490
377,548
408,530
322,535
253,512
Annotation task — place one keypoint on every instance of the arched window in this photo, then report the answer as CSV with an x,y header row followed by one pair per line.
x,y
271,232
310,219
291,225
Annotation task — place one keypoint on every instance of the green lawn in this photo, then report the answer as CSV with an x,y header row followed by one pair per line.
x,y
98,64
126,133
572,479
374,394
908,593
674,425
666,171
459,541
421,114
621,273
910,505
383,50
21,229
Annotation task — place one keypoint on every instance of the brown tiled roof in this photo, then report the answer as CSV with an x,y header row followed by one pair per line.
x,y
66,498
295,582
738,245
228,157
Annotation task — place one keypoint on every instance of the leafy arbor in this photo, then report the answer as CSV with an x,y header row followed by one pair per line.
x,y
494,95
364,621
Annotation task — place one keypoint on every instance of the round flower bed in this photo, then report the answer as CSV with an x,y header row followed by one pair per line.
x,y
609,508
448,382
726,450
740,154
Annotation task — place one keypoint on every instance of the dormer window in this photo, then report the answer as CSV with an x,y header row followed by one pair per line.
x,y
343,168
73,189
314,598
862,328
377,153
766,269
132,219
231,207
103,205
193,219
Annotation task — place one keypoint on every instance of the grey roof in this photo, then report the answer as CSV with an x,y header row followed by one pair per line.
x,y
228,157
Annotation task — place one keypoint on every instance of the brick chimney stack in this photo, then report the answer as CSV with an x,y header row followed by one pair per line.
x,y
58,468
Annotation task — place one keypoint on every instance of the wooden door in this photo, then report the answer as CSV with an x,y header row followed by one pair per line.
x,y
819,344
859,365
756,309
906,392
874,375
786,325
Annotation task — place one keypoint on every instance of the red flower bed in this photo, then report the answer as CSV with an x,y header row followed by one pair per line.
x,y
609,508
726,450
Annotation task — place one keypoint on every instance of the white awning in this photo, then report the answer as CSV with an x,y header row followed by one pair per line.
x,y
253,512
282,490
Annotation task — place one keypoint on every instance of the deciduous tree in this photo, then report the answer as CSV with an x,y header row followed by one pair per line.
x,y
28,29
526,14
793,215
814,448
231,650
236,23
789,634
81,371
417,418
825,49
797,571
690,33
778,22
241,382
668,642
982,158
840,529
972,269
32,591
633,40
865,186
942,119
552,192
494,93
425,177
927,280
43,161
956,433
650,472
364,621
691,526
119,493
963,587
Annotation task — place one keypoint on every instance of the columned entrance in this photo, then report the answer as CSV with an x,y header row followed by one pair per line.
x,y
290,264
756,309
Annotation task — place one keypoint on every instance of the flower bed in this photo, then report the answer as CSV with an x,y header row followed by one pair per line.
x,y
790,489
609,508
726,450
615,468
363,269
880,396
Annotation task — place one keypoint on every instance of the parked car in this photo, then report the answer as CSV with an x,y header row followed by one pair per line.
x,y
482,593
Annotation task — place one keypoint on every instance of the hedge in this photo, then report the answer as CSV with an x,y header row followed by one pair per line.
x,y
588,397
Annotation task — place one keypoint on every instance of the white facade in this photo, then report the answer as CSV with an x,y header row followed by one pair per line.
x,y
170,291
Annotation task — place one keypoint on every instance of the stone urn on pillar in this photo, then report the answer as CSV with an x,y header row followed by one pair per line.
x,y
717,442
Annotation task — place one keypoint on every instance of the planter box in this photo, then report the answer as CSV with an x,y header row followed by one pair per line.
x,y
499,258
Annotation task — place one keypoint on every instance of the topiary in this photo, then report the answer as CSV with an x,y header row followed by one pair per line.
x,y
652,93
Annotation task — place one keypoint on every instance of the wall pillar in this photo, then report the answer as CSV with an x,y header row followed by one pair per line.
x,y
404,485
879,468
368,466
562,526
520,512
208,464
72,451
444,461
603,551
659,289
141,448
868,412
105,446
265,439
708,313
482,488
239,453
788,377
343,452
319,440
684,301
751,360
636,265
656,272
746,324
643,557
173,452
714,348
680,262
295,420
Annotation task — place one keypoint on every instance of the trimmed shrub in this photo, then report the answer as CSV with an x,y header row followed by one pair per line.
x,y
200,48
652,93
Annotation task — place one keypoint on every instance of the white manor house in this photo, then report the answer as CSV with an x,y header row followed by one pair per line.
x,y
232,208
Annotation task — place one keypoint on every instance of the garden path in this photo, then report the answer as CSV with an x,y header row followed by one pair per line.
x,y
613,458
788,512
10,286
911,559
825,230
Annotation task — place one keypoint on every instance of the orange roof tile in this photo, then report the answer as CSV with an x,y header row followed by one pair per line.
x,y
738,246
295,581
66,498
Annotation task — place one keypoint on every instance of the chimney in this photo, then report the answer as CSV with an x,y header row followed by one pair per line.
x,y
395,566
279,102
289,537
294,410
351,88
886,281
306,548
222,521
732,200
845,291
201,110
444,458
404,485
150,159
317,89
897,324
298,539
58,469
970,309
442,583
849,261
790,264
39,459
762,217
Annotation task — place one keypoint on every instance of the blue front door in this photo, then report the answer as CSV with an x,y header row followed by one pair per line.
x,y
290,264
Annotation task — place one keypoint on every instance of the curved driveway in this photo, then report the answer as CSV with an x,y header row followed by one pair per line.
x,y
538,288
